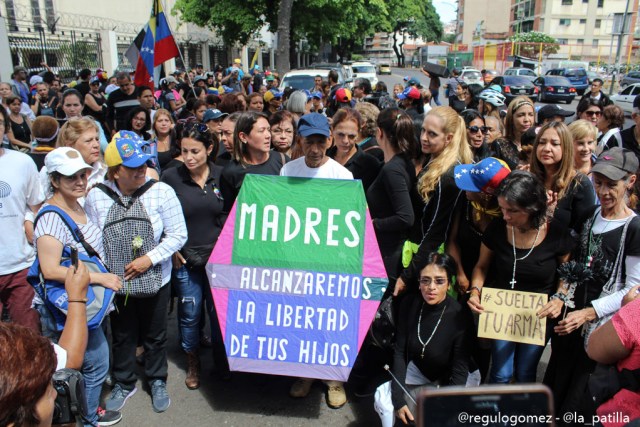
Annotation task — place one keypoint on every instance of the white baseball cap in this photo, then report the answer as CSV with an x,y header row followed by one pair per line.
x,y
65,160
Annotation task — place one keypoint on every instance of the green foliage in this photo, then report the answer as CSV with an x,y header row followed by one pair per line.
x,y
534,38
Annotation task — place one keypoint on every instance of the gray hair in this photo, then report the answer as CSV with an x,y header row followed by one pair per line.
x,y
297,102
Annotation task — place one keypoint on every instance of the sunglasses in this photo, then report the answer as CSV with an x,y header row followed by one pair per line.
x,y
476,129
438,281
593,113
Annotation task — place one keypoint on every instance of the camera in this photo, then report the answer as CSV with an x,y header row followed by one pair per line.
x,y
71,403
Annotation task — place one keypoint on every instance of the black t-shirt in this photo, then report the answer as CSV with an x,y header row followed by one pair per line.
x,y
535,273
629,141
202,207
446,357
370,146
363,166
469,239
233,175
578,199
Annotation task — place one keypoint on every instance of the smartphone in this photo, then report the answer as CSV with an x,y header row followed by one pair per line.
x,y
74,258
490,405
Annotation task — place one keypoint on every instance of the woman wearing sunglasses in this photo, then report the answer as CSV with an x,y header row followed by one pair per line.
x,y
590,110
197,185
476,134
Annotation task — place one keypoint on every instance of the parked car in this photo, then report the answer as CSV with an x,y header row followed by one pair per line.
x,y
624,98
384,68
513,86
365,70
520,71
555,88
592,75
489,75
577,76
471,76
631,78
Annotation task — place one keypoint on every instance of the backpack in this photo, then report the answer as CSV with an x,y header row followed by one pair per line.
x,y
53,293
127,220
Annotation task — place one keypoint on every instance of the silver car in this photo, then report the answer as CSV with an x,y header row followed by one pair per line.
x,y
632,77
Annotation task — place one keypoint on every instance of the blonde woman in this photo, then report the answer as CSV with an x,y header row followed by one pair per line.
x,y
444,140
552,163
584,142
520,117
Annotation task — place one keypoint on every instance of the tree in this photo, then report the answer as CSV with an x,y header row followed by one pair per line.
x,y
529,44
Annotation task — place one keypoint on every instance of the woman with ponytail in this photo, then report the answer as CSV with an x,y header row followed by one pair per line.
x,y
390,196
444,140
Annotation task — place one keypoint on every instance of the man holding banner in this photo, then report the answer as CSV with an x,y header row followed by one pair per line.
x,y
316,134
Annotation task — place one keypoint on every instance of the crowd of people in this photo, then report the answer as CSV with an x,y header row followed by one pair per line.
x,y
478,193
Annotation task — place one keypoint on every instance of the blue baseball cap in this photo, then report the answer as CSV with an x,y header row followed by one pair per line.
x,y
127,149
313,124
317,94
213,114
227,89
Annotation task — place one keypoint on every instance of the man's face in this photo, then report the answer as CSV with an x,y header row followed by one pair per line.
x,y
314,148
55,85
358,92
125,86
595,87
318,81
147,100
21,75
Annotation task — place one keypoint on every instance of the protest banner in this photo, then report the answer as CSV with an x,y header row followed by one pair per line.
x,y
511,316
296,276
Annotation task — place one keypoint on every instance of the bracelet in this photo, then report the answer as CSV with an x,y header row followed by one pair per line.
x,y
83,300
558,295
476,288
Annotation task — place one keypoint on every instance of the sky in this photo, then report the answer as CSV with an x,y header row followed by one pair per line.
x,y
446,9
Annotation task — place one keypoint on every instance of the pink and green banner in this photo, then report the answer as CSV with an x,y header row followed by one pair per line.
x,y
296,276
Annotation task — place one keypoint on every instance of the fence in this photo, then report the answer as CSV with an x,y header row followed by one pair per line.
x,y
65,52
500,56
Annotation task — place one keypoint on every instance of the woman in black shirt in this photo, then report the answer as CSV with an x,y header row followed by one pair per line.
x,y
344,128
432,339
389,197
197,185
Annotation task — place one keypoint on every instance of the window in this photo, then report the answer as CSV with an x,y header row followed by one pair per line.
x,y
635,91
627,91
598,23
580,41
567,2
585,1
565,22
563,41
594,43
600,3
583,21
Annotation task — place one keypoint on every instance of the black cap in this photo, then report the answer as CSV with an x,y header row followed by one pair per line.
x,y
552,110
616,163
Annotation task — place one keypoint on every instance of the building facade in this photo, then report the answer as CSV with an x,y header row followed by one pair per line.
x,y
482,21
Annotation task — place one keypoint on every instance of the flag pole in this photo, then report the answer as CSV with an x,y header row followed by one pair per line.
x,y
179,52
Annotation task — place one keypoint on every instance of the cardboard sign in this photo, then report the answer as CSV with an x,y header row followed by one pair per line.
x,y
296,276
511,316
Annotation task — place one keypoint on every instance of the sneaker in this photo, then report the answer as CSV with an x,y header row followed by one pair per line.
x,y
336,396
159,395
301,387
108,418
118,398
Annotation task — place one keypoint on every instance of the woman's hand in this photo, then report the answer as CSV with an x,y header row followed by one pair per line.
x,y
462,283
474,303
404,414
400,287
552,201
178,260
631,295
108,280
137,267
573,321
552,309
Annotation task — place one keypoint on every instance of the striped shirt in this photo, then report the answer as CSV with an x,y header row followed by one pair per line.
x,y
165,213
51,224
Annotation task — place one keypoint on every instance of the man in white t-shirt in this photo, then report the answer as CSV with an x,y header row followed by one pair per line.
x,y
20,190
316,140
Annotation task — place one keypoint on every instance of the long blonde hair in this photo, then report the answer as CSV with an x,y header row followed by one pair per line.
x,y
566,171
71,131
456,151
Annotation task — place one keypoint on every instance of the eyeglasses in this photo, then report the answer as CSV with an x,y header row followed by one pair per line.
x,y
593,113
343,135
476,129
438,281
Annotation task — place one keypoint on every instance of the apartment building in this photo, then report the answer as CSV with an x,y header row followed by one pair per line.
x,y
482,20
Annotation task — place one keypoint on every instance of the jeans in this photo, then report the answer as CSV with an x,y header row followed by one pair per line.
x,y
192,287
435,97
95,365
508,357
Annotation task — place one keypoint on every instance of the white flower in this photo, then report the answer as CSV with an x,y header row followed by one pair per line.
x,y
137,242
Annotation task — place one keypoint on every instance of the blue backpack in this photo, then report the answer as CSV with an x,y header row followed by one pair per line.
x,y
53,293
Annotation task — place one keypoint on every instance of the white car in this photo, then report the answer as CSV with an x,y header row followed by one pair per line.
x,y
624,98
471,76
365,70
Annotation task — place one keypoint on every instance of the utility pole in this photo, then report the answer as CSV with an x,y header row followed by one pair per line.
x,y
619,47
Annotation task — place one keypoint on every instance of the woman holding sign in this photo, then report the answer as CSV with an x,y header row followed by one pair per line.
x,y
525,250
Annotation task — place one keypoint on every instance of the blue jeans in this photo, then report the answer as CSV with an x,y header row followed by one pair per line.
x,y
435,96
95,365
508,357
